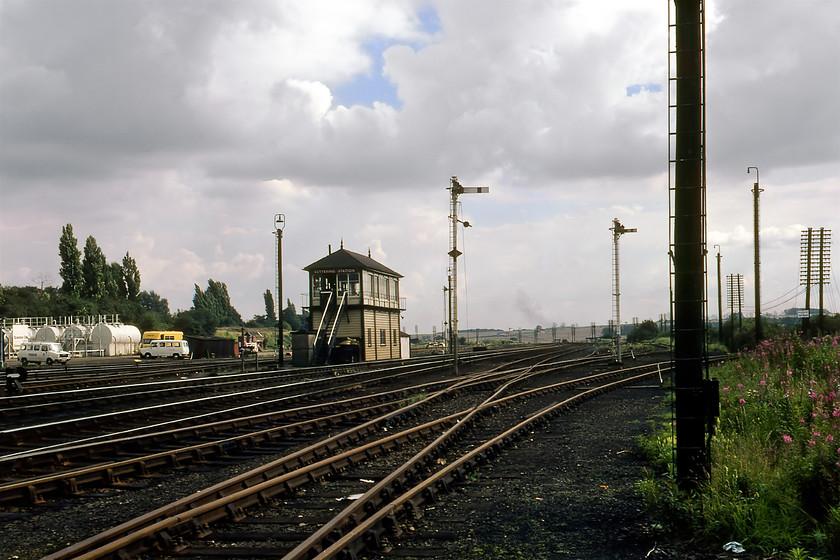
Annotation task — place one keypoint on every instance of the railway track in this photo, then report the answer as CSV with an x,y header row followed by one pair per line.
x,y
392,466
46,469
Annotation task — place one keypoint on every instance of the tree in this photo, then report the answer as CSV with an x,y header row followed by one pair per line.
x,y
270,313
114,281
196,321
151,301
647,330
215,302
43,279
290,317
71,265
93,270
131,277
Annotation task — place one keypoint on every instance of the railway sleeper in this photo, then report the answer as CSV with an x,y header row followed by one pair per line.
x,y
167,543
234,513
411,511
392,525
70,487
31,496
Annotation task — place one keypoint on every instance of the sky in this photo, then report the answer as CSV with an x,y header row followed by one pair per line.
x,y
175,130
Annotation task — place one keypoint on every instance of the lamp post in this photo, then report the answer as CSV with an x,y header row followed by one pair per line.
x,y
759,331
279,224
456,189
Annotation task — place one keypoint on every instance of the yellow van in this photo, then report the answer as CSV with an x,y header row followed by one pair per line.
x,y
149,336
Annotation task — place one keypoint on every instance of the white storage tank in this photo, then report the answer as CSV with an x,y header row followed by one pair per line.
x,y
114,339
75,337
20,334
49,333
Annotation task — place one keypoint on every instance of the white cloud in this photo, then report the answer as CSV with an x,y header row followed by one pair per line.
x,y
177,130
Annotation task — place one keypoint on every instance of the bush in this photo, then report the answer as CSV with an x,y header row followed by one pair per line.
x,y
647,330
775,479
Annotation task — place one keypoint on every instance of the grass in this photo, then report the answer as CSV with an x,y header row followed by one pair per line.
x,y
775,477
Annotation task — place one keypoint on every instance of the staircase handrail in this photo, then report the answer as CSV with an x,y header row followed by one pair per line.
x,y
331,338
321,323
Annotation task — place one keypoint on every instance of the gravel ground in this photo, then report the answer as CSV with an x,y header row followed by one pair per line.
x,y
567,493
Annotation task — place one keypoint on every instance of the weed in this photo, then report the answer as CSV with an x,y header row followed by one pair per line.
x,y
775,478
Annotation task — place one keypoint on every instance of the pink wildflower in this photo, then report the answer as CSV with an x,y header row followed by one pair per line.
x,y
741,401
726,390
762,383
787,439
829,438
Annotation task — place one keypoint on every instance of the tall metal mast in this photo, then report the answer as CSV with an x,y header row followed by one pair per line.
x,y
455,190
618,230
695,397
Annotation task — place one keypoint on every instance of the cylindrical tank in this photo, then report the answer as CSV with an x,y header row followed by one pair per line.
x,y
114,339
75,337
49,333
20,334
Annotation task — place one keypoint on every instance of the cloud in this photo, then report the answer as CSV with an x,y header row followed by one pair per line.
x,y
177,130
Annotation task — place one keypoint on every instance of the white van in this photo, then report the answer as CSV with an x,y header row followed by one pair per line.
x,y
166,348
41,352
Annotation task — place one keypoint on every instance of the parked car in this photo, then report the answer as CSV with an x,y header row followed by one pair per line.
x,y
166,348
42,352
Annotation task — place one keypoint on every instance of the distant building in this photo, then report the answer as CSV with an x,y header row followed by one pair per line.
x,y
354,310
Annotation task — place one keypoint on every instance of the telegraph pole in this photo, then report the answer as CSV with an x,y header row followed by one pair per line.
x,y
814,262
759,331
720,299
279,224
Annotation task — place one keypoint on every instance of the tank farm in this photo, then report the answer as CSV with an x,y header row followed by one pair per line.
x,y
351,448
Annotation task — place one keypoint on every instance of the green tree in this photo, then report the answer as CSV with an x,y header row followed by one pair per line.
x,y
270,313
93,270
647,330
196,321
27,301
71,265
151,301
114,281
215,301
292,319
131,277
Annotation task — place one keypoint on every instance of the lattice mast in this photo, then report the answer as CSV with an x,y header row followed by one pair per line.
x,y
618,230
695,395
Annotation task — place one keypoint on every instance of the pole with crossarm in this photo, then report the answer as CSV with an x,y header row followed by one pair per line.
x,y
455,190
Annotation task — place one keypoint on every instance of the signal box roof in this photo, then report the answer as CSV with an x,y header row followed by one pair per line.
x,y
344,260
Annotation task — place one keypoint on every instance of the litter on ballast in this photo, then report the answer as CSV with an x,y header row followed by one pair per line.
x,y
733,546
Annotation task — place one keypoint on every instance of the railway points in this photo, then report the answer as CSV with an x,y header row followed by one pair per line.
x,y
401,418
